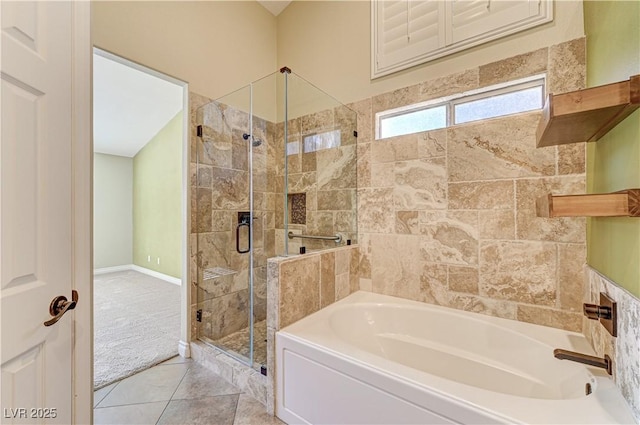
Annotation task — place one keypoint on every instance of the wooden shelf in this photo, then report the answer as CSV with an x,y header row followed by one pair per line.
x,y
625,203
587,115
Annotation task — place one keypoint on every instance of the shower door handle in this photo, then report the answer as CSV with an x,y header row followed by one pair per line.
x,y
240,251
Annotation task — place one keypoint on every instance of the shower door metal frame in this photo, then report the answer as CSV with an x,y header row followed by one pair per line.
x,y
251,218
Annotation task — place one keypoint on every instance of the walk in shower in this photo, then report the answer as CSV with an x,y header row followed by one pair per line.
x,y
273,172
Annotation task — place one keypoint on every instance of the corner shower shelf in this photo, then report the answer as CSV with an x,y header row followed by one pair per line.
x,y
217,272
625,203
587,115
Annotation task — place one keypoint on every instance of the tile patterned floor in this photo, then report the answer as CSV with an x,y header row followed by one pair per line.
x,y
239,342
178,391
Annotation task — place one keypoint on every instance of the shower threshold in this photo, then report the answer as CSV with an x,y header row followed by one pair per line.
x,y
237,344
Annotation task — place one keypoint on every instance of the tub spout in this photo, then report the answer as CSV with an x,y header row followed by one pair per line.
x,y
606,363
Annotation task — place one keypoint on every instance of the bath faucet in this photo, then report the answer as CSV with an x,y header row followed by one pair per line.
x,y
604,363
606,312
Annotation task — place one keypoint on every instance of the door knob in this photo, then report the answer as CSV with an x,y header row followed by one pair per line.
x,y
60,305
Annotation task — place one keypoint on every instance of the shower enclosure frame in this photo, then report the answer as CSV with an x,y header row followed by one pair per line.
x,y
249,358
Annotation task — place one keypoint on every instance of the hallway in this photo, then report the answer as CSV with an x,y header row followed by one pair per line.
x,y
177,391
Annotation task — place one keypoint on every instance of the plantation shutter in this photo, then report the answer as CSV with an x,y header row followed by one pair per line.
x,y
407,29
410,32
473,18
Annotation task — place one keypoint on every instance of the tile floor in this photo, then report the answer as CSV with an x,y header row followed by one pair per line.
x,y
178,391
239,342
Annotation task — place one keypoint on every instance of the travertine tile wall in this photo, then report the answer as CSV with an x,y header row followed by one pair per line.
x,y
301,285
327,177
220,189
625,349
448,216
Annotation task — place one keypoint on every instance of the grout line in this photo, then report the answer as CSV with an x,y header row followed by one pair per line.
x,y
515,211
109,392
132,404
517,178
174,392
235,411
558,303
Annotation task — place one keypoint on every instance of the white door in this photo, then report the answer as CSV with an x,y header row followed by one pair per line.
x,y
37,211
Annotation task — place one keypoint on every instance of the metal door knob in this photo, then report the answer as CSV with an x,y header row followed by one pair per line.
x,y
60,305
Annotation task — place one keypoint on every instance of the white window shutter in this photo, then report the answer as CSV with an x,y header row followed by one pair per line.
x,y
404,30
474,18
406,33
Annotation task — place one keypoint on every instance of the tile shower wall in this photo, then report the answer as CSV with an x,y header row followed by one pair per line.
x,y
301,285
326,177
219,190
448,216
625,349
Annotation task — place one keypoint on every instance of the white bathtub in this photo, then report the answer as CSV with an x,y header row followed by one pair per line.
x,y
375,359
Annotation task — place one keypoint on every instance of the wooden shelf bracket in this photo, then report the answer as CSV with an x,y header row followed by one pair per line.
x,y
587,115
625,203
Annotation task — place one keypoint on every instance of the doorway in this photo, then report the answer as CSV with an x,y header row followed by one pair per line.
x,y
140,217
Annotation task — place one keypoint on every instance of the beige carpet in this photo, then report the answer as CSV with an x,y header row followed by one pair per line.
x,y
136,324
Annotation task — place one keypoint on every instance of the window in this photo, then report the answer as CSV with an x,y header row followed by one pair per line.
x,y
326,140
490,102
405,33
315,142
497,104
293,148
413,121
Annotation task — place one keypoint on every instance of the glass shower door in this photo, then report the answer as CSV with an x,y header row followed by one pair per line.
x,y
223,224
274,172
263,187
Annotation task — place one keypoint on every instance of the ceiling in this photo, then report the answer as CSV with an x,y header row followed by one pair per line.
x,y
274,6
129,106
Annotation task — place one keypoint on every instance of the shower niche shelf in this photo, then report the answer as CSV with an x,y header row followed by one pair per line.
x,y
625,203
587,115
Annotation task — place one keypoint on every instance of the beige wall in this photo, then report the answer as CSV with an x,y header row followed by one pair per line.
x,y
327,42
112,210
215,46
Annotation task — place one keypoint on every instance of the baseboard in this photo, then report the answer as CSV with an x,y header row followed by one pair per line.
x,y
158,275
113,269
184,349
139,269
